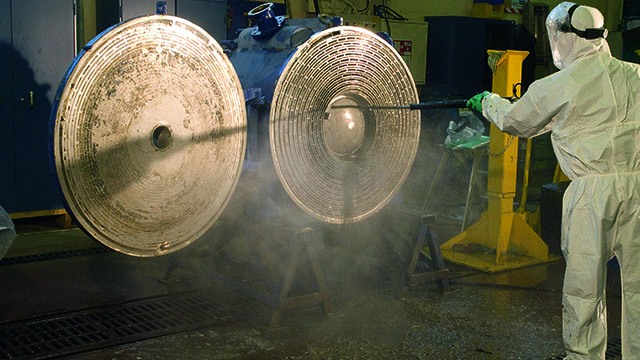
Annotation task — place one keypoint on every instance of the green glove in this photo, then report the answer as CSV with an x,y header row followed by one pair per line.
x,y
475,103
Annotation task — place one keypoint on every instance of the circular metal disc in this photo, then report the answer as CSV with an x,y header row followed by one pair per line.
x,y
338,159
149,135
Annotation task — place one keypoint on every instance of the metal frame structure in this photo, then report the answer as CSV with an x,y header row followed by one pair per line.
x,y
502,239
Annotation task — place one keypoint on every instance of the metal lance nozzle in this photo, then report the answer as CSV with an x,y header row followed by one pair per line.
x,y
445,104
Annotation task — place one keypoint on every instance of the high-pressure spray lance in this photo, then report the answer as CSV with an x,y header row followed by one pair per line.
x,y
433,105
444,104
430,105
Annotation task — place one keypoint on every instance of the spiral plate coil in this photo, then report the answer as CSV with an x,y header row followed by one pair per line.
x,y
148,135
339,160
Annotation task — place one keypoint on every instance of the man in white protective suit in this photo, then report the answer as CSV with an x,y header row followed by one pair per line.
x,y
592,108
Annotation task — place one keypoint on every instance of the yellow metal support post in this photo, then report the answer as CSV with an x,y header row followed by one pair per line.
x,y
501,239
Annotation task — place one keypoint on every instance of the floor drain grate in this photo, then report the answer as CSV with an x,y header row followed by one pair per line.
x,y
54,255
123,323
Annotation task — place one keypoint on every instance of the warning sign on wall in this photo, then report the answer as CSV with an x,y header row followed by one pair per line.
x,y
404,48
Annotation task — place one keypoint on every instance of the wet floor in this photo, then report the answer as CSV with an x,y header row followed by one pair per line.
x,y
508,315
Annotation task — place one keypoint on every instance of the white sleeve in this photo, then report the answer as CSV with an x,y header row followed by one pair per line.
x,y
532,114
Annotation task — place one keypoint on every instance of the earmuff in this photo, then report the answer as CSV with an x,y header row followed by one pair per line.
x,y
588,34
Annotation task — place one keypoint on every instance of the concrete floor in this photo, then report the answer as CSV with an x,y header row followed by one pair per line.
x,y
508,315
51,275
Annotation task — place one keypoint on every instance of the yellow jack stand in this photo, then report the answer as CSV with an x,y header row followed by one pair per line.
x,y
502,239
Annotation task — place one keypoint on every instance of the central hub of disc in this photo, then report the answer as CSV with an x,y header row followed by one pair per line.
x,y
345,124
161,137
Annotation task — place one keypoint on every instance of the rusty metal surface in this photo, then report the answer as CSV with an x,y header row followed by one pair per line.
x,y
149,135
338,160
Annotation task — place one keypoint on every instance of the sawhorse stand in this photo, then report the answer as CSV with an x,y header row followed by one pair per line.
x,y
277,296
439,272
301,242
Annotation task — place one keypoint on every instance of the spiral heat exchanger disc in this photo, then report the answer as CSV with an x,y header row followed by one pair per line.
x,y
148,135
339,160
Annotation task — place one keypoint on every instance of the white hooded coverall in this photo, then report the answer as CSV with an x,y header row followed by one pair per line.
x,y
592,108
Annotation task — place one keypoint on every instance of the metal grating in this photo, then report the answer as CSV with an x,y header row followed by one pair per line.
x,y
54,255
93,329
338,159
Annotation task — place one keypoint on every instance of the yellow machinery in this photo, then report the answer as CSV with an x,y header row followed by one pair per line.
x,y
502,239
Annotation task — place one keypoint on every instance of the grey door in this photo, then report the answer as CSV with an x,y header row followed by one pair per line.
x,y
7,159
43,49
135,8
208,14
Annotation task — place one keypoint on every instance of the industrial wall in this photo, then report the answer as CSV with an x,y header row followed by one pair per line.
x,y
417,10
414,10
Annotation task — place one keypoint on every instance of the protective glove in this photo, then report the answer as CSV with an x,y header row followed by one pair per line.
x,y
475,103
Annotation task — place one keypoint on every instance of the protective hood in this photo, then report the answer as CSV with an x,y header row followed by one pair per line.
x,y
575,31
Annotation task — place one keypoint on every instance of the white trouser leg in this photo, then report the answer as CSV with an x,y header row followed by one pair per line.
x,y
585,251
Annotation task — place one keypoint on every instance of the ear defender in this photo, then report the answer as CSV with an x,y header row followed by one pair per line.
x,y
589,33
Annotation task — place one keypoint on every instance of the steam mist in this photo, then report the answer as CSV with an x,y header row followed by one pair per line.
x,y
252,241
